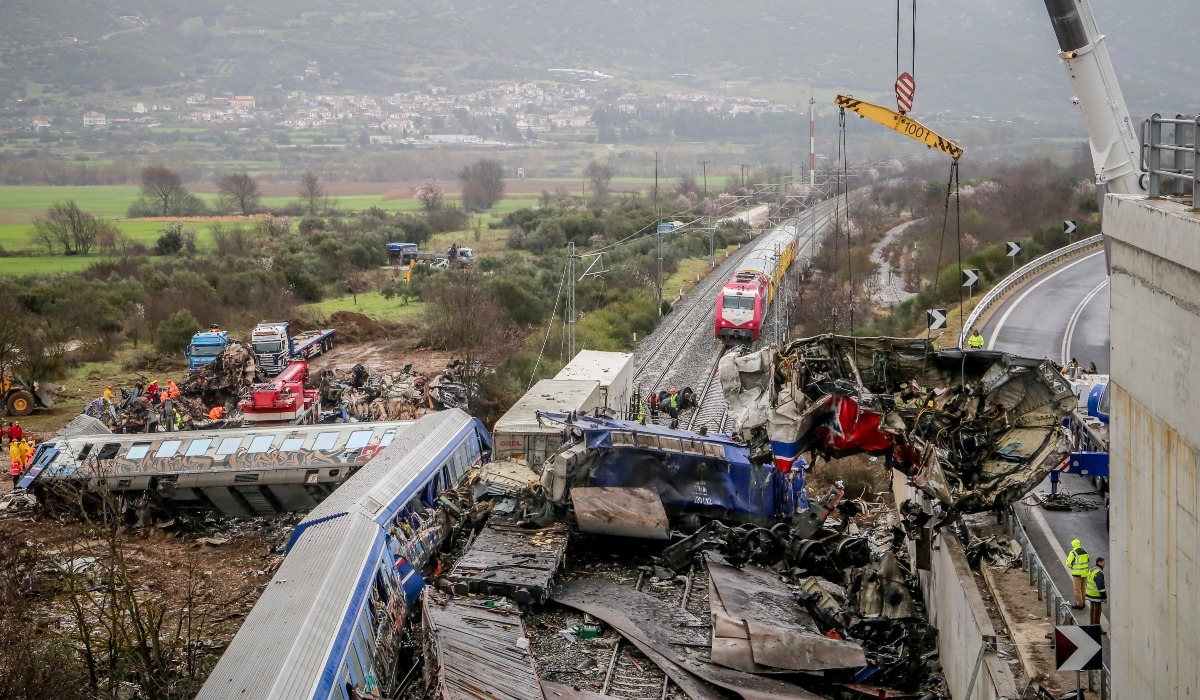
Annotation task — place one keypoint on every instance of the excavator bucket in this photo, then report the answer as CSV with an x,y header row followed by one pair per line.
x,y
47,393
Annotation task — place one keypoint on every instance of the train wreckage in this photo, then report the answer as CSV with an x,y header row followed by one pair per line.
x,y
783,595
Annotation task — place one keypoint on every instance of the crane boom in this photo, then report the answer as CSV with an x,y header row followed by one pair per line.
x,y
1115,146
905,125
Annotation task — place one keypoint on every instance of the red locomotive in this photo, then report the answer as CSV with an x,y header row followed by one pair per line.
x,y
741,304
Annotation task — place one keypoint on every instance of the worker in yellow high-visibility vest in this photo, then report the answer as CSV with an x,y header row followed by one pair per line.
x,y
975,341
1077,564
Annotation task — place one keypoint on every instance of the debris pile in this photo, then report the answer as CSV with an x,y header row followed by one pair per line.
x,y
219,383
365,394
975,430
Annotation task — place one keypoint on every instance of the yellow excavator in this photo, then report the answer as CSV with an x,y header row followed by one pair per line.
x,y
21,398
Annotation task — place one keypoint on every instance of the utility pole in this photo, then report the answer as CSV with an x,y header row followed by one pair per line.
x,y
812,141
656,181
711,226
658,232
704,169
571,300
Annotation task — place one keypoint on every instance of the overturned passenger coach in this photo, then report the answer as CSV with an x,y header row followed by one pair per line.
x,y
328,625
235,472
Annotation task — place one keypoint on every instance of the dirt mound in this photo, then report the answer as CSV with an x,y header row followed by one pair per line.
x,y
356,328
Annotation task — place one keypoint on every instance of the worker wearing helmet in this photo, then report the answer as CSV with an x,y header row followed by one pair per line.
x,y
673,403
216,412
108,393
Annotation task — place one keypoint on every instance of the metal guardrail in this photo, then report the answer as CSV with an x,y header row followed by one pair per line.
x,y
1154,149
1039,575
1022,273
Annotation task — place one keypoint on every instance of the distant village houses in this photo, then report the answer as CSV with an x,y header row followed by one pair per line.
x,y
41,123
94,119
242,102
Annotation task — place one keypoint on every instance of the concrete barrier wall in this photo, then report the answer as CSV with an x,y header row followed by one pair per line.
x,y
956,609
1154,584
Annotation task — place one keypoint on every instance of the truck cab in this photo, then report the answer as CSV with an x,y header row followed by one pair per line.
x,y
401,253
272,346
206,347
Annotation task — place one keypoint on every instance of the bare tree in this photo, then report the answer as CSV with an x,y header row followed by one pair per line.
x,y
482,184
70,228
430,194
14,327
599,175
163,185
464,317
313,195
239,191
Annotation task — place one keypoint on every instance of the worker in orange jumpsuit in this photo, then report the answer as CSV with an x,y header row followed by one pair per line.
x,y
14,470
172,390
216,412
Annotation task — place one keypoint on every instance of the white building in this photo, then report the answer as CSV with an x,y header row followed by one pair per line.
x,y
94,119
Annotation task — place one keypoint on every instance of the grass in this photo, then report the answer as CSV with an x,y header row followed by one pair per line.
x,y
684,277
370,304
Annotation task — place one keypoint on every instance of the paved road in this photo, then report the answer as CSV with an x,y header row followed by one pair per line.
x,y
1061,314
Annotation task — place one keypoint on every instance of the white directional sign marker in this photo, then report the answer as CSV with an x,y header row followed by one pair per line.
x,y
1068,227
970,277
1077,648
1014,249
935,318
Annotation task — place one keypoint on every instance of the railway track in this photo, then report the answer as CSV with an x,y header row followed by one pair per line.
x,y
683,347
632,675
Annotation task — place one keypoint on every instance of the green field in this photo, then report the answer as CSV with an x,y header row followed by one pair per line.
x,y
370,304
20,205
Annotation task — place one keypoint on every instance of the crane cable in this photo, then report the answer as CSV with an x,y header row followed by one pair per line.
x,y
913,65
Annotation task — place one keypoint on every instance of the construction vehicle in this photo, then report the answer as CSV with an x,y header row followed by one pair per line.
x,y
274,346
20,398
206,347
282,400
408,253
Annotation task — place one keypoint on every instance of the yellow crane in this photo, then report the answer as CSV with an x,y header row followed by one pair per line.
x,y
905,125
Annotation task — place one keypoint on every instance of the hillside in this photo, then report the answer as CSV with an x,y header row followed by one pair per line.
x,y
989,57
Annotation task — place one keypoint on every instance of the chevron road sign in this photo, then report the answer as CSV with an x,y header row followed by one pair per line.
x,y
970,277
1014,249
1069,227
1077,648
935,319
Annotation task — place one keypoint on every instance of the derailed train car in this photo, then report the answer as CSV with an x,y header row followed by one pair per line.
x,y
975,430
235,472
696,476
330,620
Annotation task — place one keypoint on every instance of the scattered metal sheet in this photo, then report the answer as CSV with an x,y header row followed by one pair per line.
x,y
513,561
655,626
473,652
779,633
883,591
504,478
621,512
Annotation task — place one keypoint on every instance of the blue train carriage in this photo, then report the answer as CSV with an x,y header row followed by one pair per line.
x,y
332,617
708,476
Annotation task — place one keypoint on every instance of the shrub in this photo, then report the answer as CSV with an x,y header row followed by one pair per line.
x,y
174,334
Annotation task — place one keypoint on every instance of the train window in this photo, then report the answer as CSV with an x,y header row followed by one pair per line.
x,y
138,450
261,443
291,444
326,441
198,447
229,446
387,438
84,452
733,301
359,439
168,448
